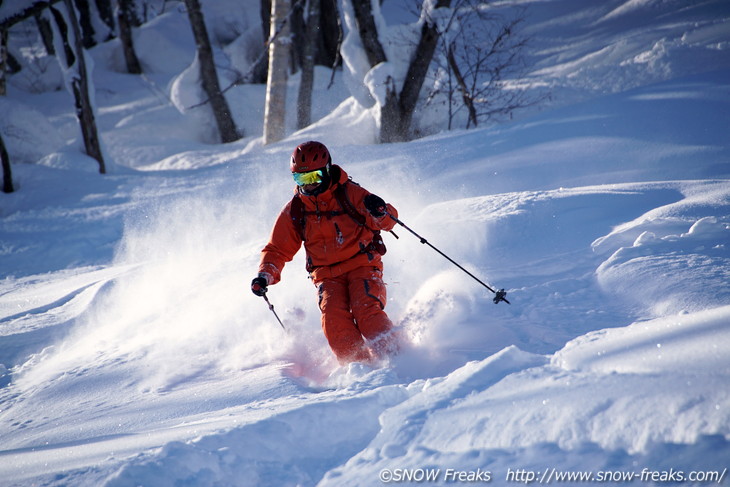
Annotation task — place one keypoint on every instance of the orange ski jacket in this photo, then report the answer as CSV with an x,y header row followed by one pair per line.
x,y
335,243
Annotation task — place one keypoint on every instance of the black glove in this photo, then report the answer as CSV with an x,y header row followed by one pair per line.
x,y
258,286
375,205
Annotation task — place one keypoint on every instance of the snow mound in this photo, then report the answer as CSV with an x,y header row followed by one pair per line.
x,y
611,400
277,451
680,252
27,134
686,344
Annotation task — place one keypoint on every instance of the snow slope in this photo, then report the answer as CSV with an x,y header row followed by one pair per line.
x,y
132,352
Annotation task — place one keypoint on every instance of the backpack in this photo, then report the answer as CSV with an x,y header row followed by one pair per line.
x,y
299,215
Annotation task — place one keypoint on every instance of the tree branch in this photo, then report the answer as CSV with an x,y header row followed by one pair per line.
x,y
26,13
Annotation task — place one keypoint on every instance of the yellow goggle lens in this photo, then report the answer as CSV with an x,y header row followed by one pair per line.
x,y
304,178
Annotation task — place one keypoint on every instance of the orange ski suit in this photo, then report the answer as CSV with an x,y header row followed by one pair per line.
x,y
341,262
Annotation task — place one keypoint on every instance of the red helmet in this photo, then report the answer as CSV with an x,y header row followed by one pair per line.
x,y
310,156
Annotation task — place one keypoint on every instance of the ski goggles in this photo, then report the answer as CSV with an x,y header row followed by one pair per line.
x,y
311,177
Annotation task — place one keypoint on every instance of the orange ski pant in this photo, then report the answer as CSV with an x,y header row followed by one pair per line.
x,y
352,307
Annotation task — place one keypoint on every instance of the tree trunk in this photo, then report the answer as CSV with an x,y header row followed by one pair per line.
x,y
390,116
416,75
125,13
80,84
208,75
29,11
306,84
265,12
297,34
275,110
397,114
106,13
84,20
7,174
69,58
260,71
46,31
368,32
3,60
330,34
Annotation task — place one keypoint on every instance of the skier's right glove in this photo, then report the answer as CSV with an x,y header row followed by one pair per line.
x,y
258,286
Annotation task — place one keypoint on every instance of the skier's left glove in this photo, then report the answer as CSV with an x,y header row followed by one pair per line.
x,y
375,205
259,285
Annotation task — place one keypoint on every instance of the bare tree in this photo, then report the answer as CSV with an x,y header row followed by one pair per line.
x,y
275,108
7,174
306,83
72,58
482,51
126,19
209,76
466,94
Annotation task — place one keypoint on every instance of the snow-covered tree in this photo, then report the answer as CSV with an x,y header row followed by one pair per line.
x,y
46,33
458,53
126,19
209,77
275,107
72,57
306,83
397,102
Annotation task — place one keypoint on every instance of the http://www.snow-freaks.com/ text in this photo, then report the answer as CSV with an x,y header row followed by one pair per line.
x,y
547,476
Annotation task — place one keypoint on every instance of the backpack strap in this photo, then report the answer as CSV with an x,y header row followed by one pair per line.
x,y
377,244
347,206
297,213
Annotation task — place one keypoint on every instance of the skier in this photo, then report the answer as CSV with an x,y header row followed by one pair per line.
x,y
339,223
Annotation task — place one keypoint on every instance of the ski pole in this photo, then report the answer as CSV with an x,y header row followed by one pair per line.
x,y
498,295
271,307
